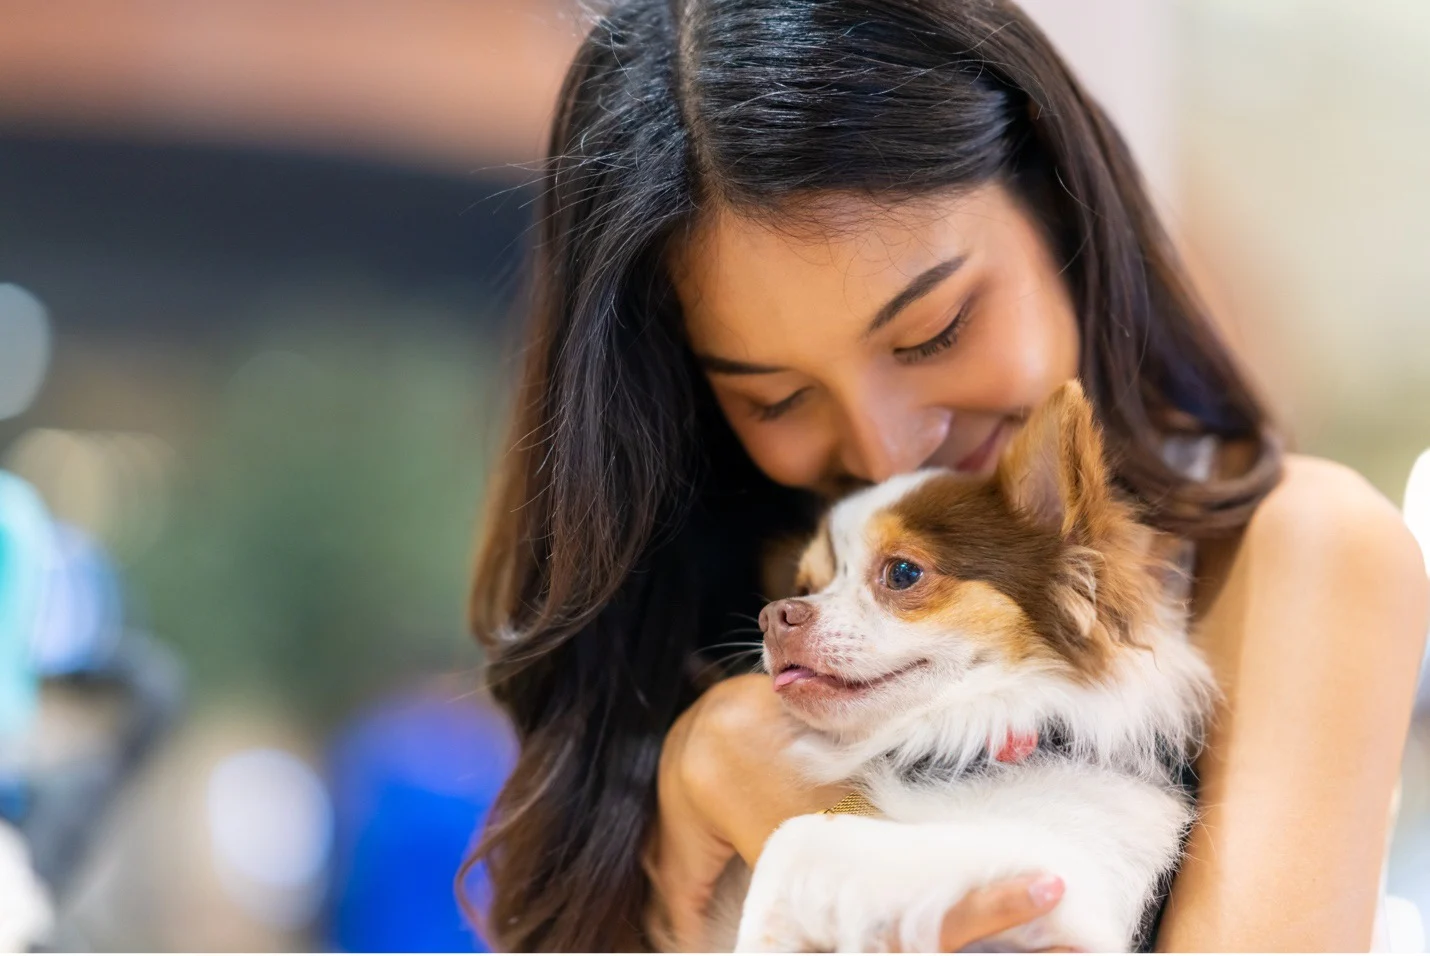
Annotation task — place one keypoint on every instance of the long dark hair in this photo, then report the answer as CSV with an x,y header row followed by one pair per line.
x,y
624,533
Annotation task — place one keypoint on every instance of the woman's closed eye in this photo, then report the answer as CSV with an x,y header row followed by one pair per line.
x,y
943,340
766,413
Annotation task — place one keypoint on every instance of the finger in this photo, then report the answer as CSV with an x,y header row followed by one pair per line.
x,y
996,909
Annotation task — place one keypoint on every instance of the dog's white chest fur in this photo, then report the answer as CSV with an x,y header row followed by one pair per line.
x,y
855,884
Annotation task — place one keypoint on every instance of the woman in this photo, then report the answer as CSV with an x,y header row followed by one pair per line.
x,y
791,246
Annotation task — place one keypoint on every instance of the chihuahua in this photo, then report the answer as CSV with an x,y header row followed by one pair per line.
x,y
1000,671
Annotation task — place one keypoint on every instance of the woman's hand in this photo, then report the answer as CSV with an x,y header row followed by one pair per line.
x,y
726,783
724,786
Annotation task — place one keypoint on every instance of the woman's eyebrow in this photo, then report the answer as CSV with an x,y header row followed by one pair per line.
x,y
921,286
724,366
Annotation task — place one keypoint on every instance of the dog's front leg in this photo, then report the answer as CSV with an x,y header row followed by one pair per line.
x,y
846,884
853,884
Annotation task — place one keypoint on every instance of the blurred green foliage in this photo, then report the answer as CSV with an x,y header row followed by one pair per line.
x,y
319,538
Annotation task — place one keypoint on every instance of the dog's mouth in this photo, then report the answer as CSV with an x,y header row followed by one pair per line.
x,y
796,677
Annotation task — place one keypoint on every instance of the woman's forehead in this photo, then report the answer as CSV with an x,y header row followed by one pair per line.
x,y
835,256
839,232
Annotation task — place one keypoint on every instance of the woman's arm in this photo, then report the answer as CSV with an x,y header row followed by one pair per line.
x,y
722,789
1316,634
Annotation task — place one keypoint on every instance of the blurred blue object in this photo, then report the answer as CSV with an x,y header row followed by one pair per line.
x,y
411,780
26,552
82,617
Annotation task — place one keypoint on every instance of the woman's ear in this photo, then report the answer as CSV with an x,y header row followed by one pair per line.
x,y
1052,471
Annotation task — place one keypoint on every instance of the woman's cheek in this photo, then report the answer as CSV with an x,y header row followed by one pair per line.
x,y
787,462
1037,364
1019,354
1048,328
787,451
788,455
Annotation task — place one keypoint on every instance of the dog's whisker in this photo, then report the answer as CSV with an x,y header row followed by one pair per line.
x,y
715,647
721,663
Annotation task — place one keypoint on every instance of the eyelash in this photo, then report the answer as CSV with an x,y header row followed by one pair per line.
x,y
768,413
914,353
938,343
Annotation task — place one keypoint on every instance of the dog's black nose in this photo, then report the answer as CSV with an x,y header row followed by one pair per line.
x,y
777,617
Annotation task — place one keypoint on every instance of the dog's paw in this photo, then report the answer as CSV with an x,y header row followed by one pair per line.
x,y
835,883
854,884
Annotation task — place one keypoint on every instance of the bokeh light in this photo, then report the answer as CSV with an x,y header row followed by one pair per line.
x,y
271,822
27,914
24,348
114,485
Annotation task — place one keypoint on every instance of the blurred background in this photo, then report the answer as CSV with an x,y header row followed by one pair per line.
x,y
257,266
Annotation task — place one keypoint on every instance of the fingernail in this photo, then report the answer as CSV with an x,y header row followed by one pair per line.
x,y
1045,890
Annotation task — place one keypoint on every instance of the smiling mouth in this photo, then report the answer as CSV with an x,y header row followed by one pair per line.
x,y
979,459
797,677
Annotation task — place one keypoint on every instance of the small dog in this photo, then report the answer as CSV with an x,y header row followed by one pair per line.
x,y
1001,669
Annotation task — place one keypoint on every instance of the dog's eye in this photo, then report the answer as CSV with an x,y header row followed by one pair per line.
x,y
902,575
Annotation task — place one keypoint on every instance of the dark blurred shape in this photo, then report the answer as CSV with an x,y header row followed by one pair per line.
x,y
184,241
126,703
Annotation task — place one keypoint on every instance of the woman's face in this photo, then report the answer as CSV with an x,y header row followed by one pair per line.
x,y
921,337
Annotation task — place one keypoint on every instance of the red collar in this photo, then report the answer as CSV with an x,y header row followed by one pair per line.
x,y
1016,747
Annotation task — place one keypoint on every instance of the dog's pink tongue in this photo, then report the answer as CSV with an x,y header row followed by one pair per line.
x,y
790,675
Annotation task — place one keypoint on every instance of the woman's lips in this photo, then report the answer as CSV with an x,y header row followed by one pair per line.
x,y
981,457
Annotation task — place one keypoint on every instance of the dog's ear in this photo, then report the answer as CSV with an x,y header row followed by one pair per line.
x,y
1053,470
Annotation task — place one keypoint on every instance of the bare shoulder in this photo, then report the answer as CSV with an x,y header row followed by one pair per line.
x,y
1321,495
1326,534
1324,513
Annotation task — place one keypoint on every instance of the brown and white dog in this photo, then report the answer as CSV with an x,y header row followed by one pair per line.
x,y
1000,667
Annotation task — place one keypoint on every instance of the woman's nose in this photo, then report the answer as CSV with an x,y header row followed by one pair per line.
x,y
883,441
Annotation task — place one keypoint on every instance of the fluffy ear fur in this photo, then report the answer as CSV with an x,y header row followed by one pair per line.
x,y
1052,471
